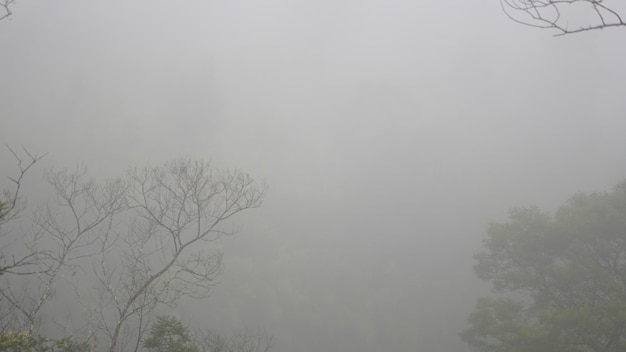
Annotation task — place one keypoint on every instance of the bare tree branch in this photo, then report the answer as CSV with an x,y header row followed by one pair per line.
x,y
88,211
6,8
146,238
175,210
11,206
564,15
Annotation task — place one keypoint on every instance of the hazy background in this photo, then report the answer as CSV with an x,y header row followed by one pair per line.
x,y
390,134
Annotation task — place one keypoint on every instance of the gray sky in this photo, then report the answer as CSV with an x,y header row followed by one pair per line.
x,y
390,134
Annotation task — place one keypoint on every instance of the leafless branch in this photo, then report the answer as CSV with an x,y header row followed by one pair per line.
x,y
175,209
147,239
560,14
6,7
70,230
10,206
21,261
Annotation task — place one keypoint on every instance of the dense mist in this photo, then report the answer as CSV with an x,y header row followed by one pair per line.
x,y
390,134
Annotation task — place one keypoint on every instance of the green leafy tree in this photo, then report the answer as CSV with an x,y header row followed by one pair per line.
x,y
168,334
559,281
25,342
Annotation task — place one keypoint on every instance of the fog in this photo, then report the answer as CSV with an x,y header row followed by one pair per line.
x,y
390,134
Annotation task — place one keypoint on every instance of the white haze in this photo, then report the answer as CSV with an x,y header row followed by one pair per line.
x,y
390,134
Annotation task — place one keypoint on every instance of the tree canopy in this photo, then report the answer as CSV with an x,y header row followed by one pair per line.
x,y
11,341
559,280
168,334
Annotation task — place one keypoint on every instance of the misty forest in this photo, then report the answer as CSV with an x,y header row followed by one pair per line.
x,y
290,176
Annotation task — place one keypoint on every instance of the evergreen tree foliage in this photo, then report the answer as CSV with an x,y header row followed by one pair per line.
x,y
168,334
23,341
559,281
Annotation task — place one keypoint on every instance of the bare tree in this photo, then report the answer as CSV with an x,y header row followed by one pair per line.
x,y
12,204
565,15
140,242
174,211
64,233
14,260
11,207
